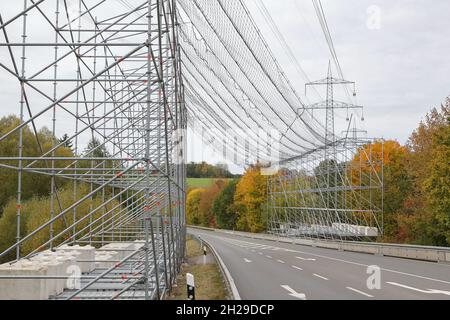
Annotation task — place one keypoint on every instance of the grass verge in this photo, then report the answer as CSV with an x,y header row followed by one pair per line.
x,y
208,278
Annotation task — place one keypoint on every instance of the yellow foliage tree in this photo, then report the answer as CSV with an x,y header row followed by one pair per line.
x,y
250,200
192,206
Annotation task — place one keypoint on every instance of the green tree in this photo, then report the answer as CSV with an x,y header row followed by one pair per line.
x,y
33,146
67,143
96,149
224,209
437,186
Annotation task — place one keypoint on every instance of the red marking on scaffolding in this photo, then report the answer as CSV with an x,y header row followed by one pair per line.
x,y
124,277
118,265
18,206
119,175
147,208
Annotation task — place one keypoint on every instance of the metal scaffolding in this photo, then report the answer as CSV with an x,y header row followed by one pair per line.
x,y
108,72
108,77
336,191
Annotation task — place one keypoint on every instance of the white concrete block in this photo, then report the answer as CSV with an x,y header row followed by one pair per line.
x,y
87,255
57,267
105,261
123,249
34,289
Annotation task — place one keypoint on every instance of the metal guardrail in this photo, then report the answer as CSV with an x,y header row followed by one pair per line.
x,y
413,252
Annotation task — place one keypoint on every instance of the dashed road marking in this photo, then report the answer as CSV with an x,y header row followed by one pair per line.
x,y
428,291
360,292
306,259
320,277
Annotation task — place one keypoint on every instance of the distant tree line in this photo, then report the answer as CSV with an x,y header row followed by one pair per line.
x,y
205,170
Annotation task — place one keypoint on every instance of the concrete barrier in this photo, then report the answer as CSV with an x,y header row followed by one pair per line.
x,y
106,259
85,256
33,289
55,268
122,249
46,274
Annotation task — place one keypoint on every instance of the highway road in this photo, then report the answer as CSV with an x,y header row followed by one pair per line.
x,y
268,270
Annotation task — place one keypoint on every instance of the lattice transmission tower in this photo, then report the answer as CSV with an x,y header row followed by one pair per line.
x,y
336,191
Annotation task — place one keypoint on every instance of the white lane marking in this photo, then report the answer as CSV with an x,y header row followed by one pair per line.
x,y
293,293
260,253
428,291
306,259
248,261
281,261
360,292
269,257
350,262
319,276
298,268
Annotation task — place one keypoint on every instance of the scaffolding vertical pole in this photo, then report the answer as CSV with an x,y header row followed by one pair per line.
x,y
149,232
55,87
22,104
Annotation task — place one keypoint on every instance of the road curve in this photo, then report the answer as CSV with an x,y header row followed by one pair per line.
x,y
267,270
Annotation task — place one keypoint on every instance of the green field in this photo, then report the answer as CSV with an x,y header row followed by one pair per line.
x,y
202,182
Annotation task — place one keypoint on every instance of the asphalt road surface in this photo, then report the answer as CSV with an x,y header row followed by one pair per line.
x,y
267,270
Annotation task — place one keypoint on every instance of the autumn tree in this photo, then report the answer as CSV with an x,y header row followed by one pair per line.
x,y
250,200
192,206
437,185
206,212
427,166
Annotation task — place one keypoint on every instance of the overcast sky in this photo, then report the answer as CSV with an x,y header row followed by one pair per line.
x,y
397,52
